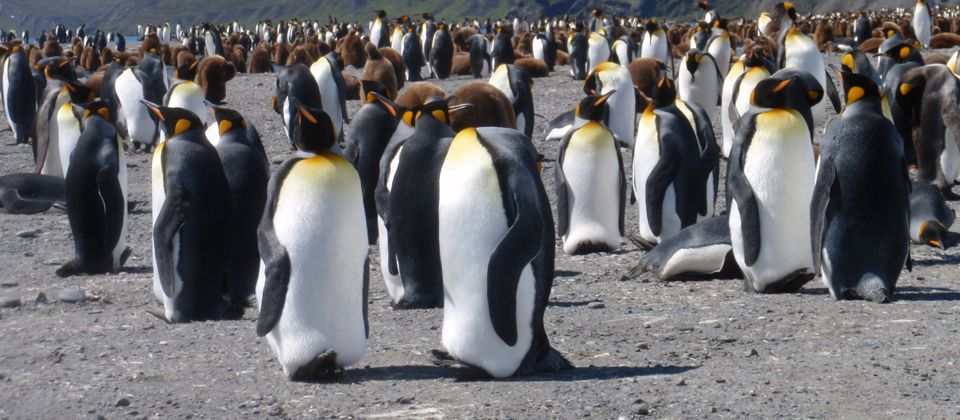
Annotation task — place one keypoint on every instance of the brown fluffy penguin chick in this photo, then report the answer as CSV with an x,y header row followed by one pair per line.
x,y
212,75
461,65
280,54
491,108
150,42
260,61
299,55
351,51
399,69
184,58
534,66
944,40
417,93
380,69
51,48
352,87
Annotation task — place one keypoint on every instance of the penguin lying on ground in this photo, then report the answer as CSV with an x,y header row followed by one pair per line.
x,y
930,217
699,251
30,193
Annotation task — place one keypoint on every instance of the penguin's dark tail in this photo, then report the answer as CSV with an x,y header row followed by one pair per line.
x,y
872,288
553,361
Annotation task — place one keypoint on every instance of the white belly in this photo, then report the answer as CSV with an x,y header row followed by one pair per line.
x,y
394,283
702,90
720,51
329,94
7,88
622,105
122,178
950,158
189,96
140,126
655,47
597,52
921,25
52,165
318,215
471,207
802,53
646,154
780,167
68,132
538,51
726,124
157,198
708,259
592,171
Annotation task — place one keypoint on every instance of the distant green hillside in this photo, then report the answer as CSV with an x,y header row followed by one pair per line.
x,y
123,15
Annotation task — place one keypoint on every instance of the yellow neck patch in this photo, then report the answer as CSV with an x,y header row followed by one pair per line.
x,y
225,126
854,94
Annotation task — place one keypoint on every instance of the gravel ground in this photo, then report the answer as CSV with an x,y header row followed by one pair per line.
x,y
640,346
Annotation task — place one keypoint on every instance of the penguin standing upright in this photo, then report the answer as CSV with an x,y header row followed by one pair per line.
x,y
312,291
295,82
46,131
427,30
479,55
247,170
929,95
516,84
699,80
373,126
719,47
378,32
861,28
141,128
191,213
590,183
770,215
333,94
412,53
922,23
411,220
930,216
96,192
667,176
860,212
186,94
598,50
755,70
901,59
545,49
19,93
501,52
655,43
622,116
69,126
497,285
577,48
726,99
396,35
441,54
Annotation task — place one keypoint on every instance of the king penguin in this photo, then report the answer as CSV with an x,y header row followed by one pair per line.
x,y
726,99
770,215
655,43
191,213
69,126
719,47
186,94
141,128
19,93
497,285
699,251
598,50
577,47
930,216
755,70
295,82
247,170
622,115
860,213
590,183
96,192
516,83
57,70
312,291
922,23
412,53
928,95
378,31
699,80
333,95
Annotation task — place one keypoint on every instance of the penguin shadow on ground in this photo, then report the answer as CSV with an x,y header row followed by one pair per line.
x,y
389,373
423,372
565,273
562,304
926,294
590,372
136,270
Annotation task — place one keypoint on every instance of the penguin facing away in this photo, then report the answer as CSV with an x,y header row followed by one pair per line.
x,y
316,325
590,183
19,93
769,215
496,286
96,195
860,209
295,82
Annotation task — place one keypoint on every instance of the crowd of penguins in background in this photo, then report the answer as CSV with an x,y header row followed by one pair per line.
x,y
448,185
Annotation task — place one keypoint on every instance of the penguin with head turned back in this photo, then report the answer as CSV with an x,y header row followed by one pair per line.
x,y
860,209
311,224
930,216
247,170
19,93
590,183
622,116
96,192
769,220
497,285
295,82
191,213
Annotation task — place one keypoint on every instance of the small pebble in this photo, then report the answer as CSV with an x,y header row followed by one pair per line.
x,y
72,295
9,284
29,233
40,298
752,353
9,302
123,402
639,407
682,382
596,305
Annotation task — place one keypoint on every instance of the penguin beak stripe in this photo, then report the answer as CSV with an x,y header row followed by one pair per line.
x,y
307,114
936,244
782,85
604,98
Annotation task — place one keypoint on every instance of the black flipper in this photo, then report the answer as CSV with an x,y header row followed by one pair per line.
x,y
660,178
832,93
112,196
623,190
560,186
739,189
172,216
275,258
818,208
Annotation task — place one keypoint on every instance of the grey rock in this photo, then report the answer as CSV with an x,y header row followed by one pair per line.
x,y
40,298
72,295
29,233
9,284
122,402
9,301
596,305
639,407
275,411
752,353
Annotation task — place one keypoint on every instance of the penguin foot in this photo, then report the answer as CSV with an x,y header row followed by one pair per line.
x,y
458,369
417,302
70,268
159,313
641,243
873,290
322,367
553,361
788,284
589,247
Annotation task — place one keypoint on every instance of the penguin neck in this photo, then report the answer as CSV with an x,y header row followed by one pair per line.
x,y
433,125
872,104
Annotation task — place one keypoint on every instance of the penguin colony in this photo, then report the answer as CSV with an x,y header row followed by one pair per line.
x,y
449,188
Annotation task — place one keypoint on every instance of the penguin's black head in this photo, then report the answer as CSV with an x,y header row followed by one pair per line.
x,y
396,111
381,14
594,107
664,93
59,68
704,4
910,92
228,119
652,25
187,71
313,130
890,29
755,57
692,60
173,121
785,10
902,53
787,88
95,109
858,87
932,233
79,92
371,86
427,16
596,12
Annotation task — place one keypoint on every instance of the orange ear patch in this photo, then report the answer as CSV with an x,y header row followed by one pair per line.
x,y
782,85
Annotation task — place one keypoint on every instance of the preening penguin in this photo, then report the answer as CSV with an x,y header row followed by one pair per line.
x,y
247,170
312,291
590,183
860,209
191,213
295,82
517,85
769,215
930,217
96,195
19,93
622,115
699,251
667,176
497,285
699,80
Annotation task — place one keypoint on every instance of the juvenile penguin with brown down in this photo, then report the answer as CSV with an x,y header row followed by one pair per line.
x,y
299,55
491,108
212,75
380,69
417,94
399,69
260,61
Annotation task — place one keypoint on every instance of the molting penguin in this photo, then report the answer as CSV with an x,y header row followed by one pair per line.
x,y
860,209
622,116
497,285
769,216
667,177
312,291
922,23
295,82
590,183
333,95
96,193
191,213
441,54
19,93
247,170
373,126
699,251
517,85
699,80
930,217
598,50
186,94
